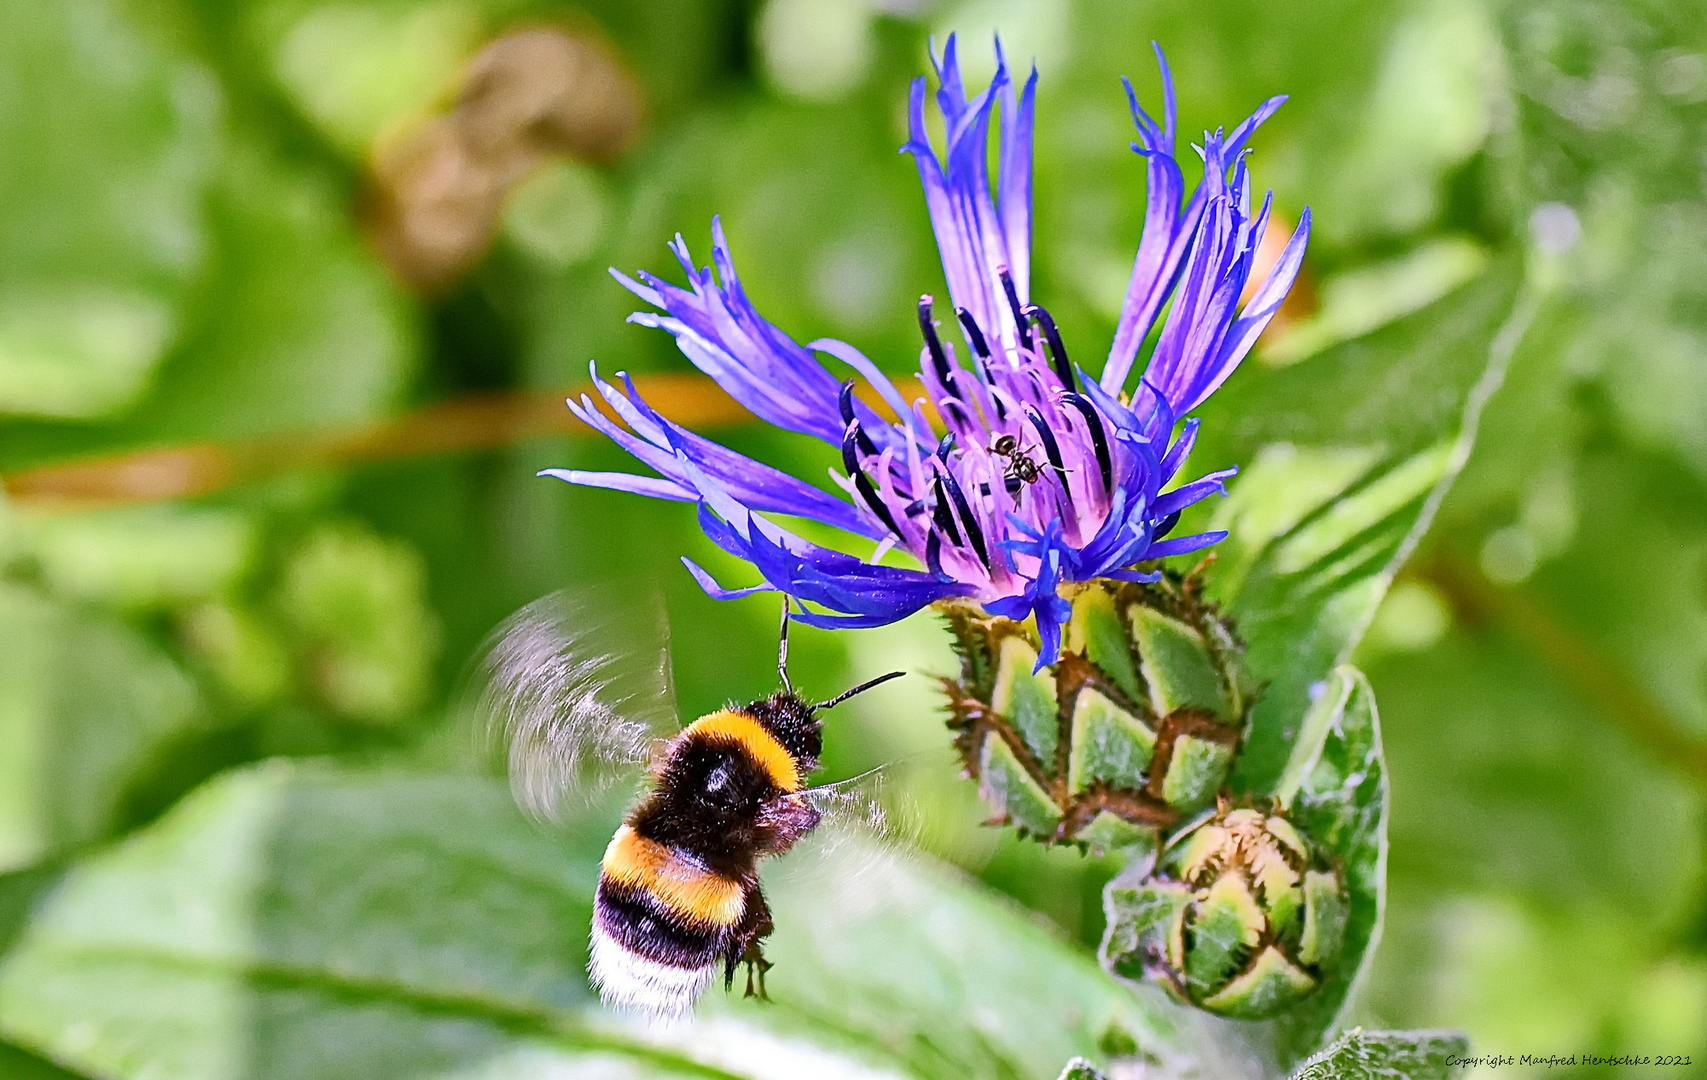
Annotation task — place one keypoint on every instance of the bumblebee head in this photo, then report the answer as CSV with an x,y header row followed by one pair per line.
x,y
794,724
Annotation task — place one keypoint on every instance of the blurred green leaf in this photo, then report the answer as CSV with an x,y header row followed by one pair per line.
x,y
1388,1055
1541,863
87,708
111,139
357,69
1609,105
297,326
1430,107
139,557
1348,453
304,329
292,921
356,603
16,1064
1642,609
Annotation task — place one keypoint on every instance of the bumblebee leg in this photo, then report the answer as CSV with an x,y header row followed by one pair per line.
x,y
754,958
747,947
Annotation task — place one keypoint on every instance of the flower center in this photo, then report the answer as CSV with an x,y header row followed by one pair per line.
x,y
1023,451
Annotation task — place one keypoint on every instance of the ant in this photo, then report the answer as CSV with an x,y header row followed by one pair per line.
x,y
1020,465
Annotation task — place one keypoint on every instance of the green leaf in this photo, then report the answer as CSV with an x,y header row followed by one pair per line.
x,y
299,921
88,707
1557,907
136,558
303,328
111,138
297,326
356,70
356,604
1388,1055
1346,455
1336,788
16,1064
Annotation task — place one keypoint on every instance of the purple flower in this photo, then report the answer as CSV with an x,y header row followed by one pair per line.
x,y
1023,474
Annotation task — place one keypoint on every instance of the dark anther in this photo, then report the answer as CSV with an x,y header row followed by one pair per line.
x,y
1057,351
939,356
933,555
981,348
943,447
1014,306
1050,446
1099,438
973,333
973,532
862,483
1165,527
846,402
943,516
1011,484
850,448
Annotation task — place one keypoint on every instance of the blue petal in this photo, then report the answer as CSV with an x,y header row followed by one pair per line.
x,y
1182,497
1161,264
1179,545
1262,306
638,485
751,482
977,234
1134,575
718,592
717,328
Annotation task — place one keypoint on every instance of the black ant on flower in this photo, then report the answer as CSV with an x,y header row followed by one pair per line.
x,y
1020,465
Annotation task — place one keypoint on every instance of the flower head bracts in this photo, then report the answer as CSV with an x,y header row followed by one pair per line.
x,y
1020,474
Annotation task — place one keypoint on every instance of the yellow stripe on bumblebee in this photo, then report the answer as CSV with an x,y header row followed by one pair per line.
x,y
680,885
730,725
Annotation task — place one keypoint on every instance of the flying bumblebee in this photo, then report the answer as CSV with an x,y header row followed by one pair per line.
x,y
678,896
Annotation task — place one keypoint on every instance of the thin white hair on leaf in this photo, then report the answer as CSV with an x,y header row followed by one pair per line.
x,y
578,687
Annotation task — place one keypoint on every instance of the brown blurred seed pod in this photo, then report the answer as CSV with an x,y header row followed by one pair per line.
x,y
438,189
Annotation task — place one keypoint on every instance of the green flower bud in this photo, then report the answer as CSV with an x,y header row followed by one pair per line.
x,y
1237,917
1135,727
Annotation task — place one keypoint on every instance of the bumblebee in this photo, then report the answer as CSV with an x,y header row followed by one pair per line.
x,y
678,896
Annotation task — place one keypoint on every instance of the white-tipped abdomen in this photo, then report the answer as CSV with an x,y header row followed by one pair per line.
x,y
627,980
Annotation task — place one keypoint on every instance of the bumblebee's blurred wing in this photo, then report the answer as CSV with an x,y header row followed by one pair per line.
x,y
578,687
875,805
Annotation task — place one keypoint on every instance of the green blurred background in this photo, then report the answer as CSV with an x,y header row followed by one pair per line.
x,y
239,239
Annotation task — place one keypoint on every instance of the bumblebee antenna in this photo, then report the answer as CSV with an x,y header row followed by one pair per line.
x,y
860,689
782,651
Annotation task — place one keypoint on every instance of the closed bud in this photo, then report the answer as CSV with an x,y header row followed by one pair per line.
x,y
1133,729
1237,917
